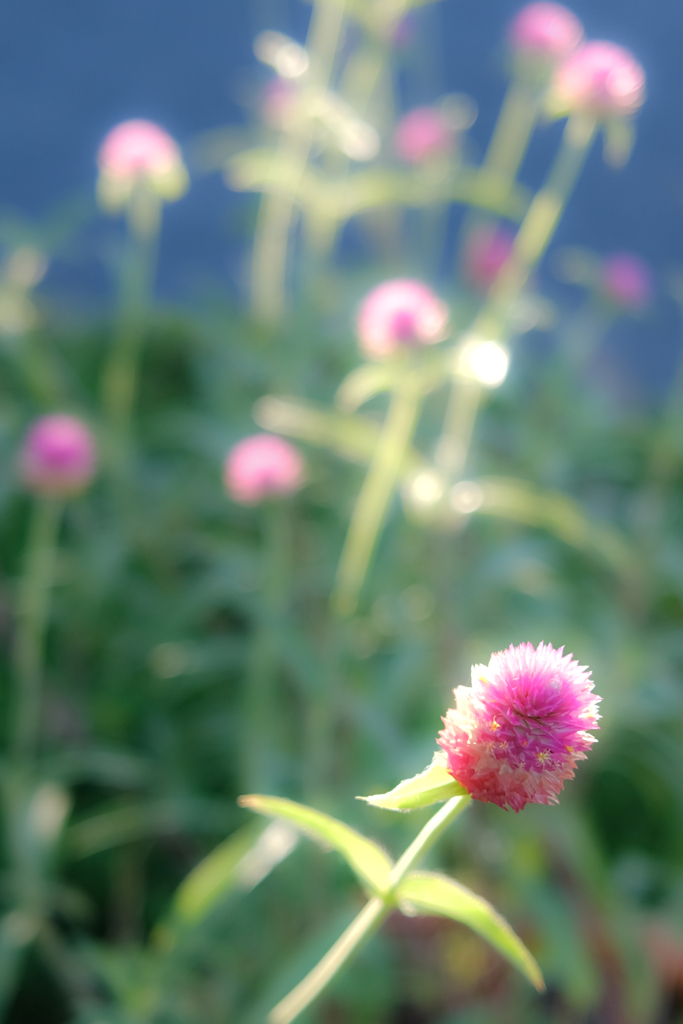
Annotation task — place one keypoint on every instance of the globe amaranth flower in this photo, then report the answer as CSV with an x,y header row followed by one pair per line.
x,y
545,30
262,466
422,135
398,314
486,250
625,281
135,152
600,79
58,456
517,732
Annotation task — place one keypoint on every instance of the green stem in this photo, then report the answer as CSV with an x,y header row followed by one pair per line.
x,y
373,501
512,132
121,371
531,242
367,922
260,716
271,240
32,609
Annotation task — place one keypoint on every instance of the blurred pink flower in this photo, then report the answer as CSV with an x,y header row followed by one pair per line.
x,y
516,734
486,250
138,147
626,281
545,29
400,313
600,78
422,134
139,151
262,466
58,456
278,103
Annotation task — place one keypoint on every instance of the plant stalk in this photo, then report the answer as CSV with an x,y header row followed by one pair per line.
x,y
32,610
375,911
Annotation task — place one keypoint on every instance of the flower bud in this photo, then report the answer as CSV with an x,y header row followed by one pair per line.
x,y
486,250
600,79
135,152
262,466
400,313
626,281
422,134
545,30
517,732
58,456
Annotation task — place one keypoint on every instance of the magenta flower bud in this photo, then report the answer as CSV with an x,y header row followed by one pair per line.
x,y
486,250
601,79
139,151
279,102
626,281
262,466
58,456
517,732
545,30
400,313
422,134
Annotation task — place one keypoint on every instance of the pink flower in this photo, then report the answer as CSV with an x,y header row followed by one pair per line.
x,y
137,147
400,313
278,103
58,456
139,151
625,280
262,466
422,134
601,79
545,30
516,734
486,250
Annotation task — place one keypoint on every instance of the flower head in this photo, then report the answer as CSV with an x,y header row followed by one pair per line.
x,y
400,313
516,734
58,456
626,281
262,466
139,151
422,134
545,30
601,79
486,250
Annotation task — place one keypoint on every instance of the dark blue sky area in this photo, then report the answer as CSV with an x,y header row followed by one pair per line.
x,y
71,69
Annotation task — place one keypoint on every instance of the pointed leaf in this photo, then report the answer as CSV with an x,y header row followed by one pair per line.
x,y
436,894
366,858
431,786
240,862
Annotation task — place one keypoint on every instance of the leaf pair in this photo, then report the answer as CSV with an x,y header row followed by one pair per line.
x,y
419,891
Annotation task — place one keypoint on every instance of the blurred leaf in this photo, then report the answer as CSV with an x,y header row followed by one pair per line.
x,y
437,894
364,383
431,786
241,862
132,821
560,515
366,858
619,138
353,437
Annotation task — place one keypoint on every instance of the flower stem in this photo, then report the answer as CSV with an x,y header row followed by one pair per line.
x,y
121,371
260,712
531,242
373,501
271,240
368,920
32,609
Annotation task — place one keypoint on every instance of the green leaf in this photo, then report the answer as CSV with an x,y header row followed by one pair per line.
x,y
366,858
436,894
431,786
240,862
